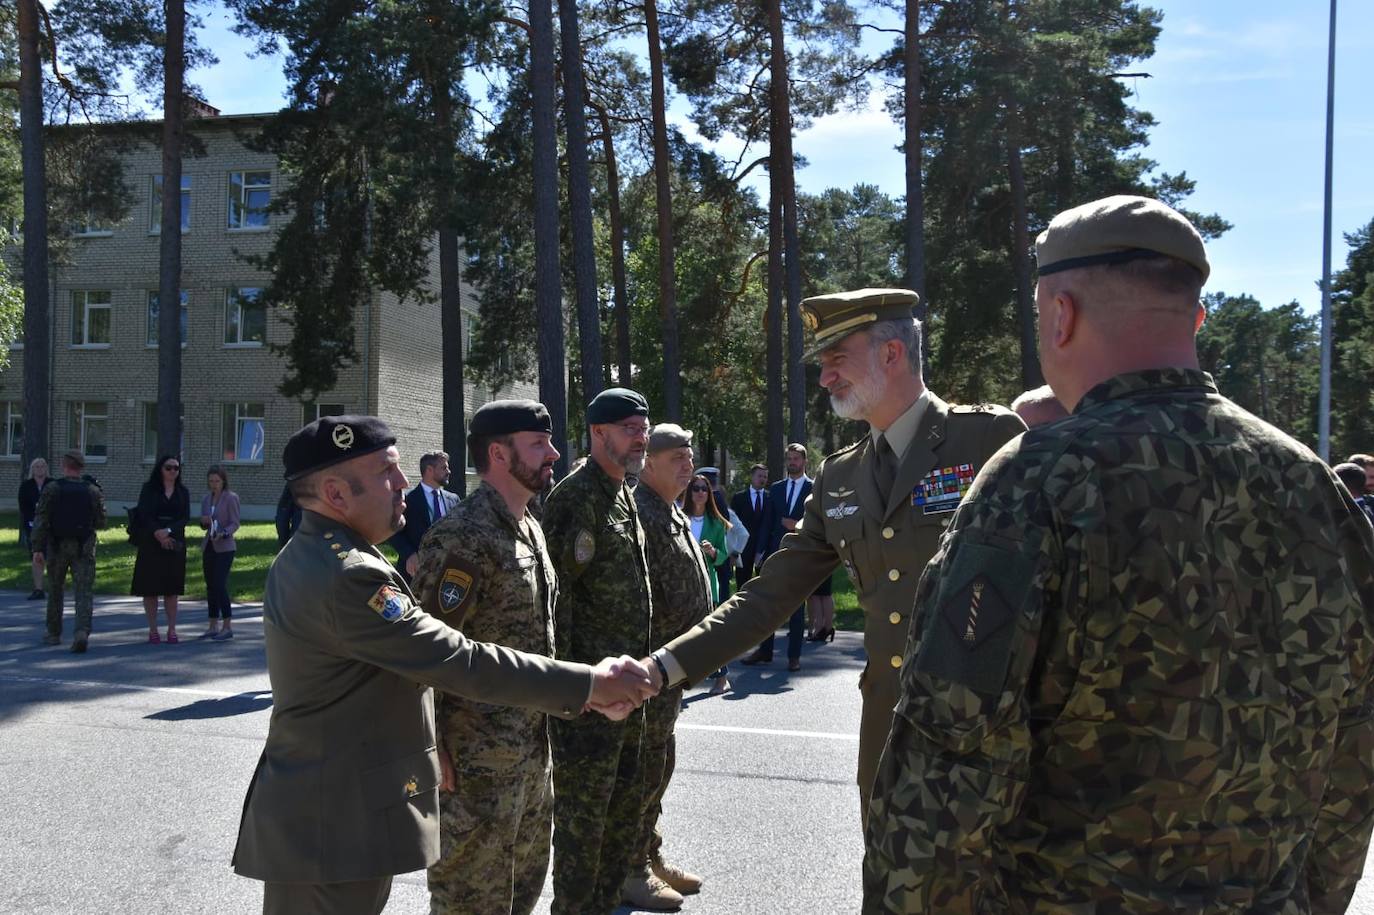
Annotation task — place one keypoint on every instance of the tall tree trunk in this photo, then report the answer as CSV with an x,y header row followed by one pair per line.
x,y
781,167
548,299
663,192
37,340
580,202
915,237
453,393
773,424
169,249
1020,253
620,295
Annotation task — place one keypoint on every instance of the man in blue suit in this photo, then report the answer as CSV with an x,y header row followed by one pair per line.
x,y
781,513
425,504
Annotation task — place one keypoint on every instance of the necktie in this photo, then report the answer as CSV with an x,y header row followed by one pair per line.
x,y
438,512
790,492
758,502
885,467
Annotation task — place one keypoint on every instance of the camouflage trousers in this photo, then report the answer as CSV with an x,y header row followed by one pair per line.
x,y
658,758
493,842
80,558
597,808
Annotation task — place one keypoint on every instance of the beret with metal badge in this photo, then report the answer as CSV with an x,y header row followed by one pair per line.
x,y
333,439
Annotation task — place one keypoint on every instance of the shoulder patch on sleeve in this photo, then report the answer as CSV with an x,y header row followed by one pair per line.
x,y
584,547
455,587
390,604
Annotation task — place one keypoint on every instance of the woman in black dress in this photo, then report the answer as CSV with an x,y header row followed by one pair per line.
x,y
164,507
28,507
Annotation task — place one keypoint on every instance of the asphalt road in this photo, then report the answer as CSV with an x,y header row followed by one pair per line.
x,y
123,773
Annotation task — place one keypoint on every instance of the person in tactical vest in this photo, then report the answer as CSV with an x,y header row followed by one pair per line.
x,y
69,513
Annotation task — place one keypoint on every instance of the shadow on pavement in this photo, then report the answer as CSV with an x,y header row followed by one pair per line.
x,y
774,679
242,704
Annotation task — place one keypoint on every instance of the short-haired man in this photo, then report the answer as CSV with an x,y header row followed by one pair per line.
x,y
597,545
785,510
484,569
428,502
1352,475
345,793
70,511
682,598
1366,463
751,506
1038,407
878,507
1140,670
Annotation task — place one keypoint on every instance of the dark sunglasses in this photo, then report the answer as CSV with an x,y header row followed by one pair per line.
x,y
176,467
698,489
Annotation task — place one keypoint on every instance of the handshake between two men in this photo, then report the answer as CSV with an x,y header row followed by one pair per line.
x,y
621,685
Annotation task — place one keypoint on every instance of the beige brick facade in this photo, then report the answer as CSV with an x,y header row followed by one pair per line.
x,y
105,369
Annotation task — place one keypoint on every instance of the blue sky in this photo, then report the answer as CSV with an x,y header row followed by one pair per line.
x,y
1238,88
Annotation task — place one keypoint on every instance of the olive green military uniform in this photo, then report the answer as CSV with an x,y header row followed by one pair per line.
x,y
882,539
486,572
603,610
682,598
1139,677
64,554
345,794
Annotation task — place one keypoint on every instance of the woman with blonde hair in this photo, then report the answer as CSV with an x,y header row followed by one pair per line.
x,y
28,506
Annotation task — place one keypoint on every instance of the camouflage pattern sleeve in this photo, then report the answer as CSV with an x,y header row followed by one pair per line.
x,y
98,498
448,572
38,538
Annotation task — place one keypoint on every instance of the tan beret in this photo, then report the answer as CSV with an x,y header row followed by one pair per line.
x,y
665,436
1115,230
830,318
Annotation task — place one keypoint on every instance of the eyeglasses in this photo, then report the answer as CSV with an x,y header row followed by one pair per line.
x,y
698,489
634,430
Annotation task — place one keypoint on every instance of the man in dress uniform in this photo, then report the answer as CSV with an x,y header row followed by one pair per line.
x,y
344,795
1139,677
597,546
483,568
878,507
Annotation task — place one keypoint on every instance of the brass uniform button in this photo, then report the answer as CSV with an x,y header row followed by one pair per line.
x,y
893,574
894,618
328,535
842,543
944,522
888,533
896,660
336,546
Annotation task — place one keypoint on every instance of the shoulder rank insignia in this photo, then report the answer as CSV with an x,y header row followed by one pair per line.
x,y
843,510
388,603
453,589
942,489
584,547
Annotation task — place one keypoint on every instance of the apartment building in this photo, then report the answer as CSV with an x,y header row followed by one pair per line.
x,y
104,339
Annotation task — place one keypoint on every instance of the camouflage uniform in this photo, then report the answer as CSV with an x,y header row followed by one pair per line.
x,y
1139,675
682,598
78,555
603,610
489,575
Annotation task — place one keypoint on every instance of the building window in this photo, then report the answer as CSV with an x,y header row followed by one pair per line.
x,y
244,437
14,429
153,318
469,328
155,205
249,195
150,431
467,424
245,320
90,429
313,411
91,318
91,228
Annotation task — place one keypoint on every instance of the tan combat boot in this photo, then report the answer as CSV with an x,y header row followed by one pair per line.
x,y
644,890
684,882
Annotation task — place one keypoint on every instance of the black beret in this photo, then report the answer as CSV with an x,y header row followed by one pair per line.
x,y
502,417
614,404
331,439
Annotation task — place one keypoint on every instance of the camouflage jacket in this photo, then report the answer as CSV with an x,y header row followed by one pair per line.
x,y
597,546
677,568
488,574
1139,675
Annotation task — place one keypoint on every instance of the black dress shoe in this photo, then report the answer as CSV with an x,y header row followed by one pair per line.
x,y
759,657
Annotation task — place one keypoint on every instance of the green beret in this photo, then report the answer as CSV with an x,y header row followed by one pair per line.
x,y
614,404
503,417
333,439
832,317
1115,230
668,435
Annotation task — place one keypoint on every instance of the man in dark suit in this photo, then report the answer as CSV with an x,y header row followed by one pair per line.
x,y
781,514
425,504
749,505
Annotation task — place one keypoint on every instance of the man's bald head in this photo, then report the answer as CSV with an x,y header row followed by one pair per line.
x,y
1038,407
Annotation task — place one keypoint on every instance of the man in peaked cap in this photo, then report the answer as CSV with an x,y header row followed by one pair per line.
x,y
597,545
484,569
344,795
1139,675
877,507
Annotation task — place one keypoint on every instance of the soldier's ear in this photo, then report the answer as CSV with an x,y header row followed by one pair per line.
x,y
1064,318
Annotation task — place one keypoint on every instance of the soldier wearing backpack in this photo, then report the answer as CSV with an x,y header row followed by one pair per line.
x,y
69,513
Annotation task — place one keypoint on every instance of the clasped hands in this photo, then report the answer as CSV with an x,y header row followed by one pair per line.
x,y
620,685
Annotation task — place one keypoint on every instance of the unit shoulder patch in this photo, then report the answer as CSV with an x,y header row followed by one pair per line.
x,y
584,547
390,604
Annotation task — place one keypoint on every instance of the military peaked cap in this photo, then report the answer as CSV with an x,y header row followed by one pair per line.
x,y
831,318
332,439
503,417
1115,230
614,404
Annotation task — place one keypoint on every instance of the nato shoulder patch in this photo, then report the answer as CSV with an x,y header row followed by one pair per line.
x,y
454,589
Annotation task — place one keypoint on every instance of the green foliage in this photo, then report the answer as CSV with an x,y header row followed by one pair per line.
x,y
1352,363
11,304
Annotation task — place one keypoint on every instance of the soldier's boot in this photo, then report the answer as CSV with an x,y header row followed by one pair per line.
x,y
685,882
644,890
51,639
79,641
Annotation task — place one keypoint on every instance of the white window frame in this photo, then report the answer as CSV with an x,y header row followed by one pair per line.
x,y
239,413
314,410
81,413
233,297
13,416
81,316
236,200
155,204
150,441
149,324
